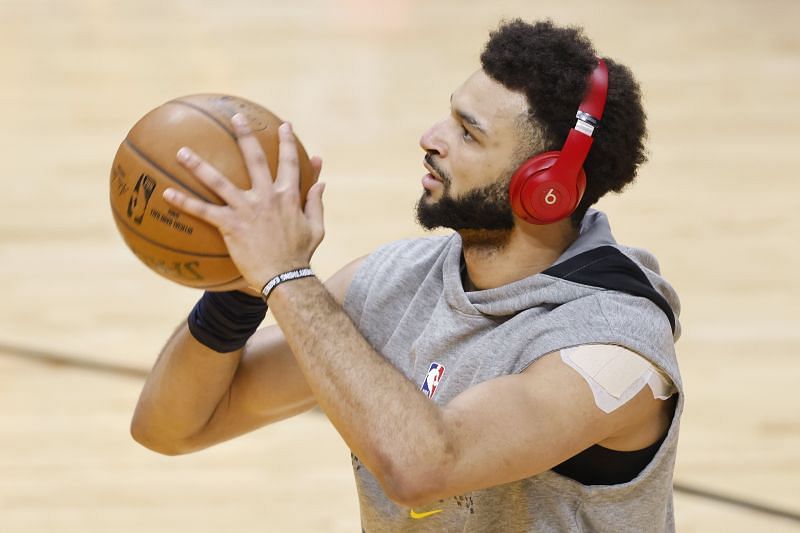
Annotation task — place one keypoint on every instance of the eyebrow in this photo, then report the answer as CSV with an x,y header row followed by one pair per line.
x,y
469,119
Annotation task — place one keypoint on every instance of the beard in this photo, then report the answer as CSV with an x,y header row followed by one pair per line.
x,y
482,214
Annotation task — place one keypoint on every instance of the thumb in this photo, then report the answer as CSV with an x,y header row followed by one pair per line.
x,y
314,210
316,166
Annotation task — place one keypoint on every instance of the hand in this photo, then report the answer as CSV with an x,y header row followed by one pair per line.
x,y
265,229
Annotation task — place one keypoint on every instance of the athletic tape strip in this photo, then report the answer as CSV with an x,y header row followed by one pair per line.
x,y
616,374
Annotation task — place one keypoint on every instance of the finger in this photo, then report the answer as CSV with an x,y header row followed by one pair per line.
x,y
209,176
213,214
288,168
314,211
253,153
316,167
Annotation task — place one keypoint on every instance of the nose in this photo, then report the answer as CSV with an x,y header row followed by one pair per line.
x,y
432,140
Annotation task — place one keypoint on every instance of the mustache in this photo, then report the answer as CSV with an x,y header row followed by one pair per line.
x,y
443,175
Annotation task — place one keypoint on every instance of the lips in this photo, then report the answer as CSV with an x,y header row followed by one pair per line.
x,y
432,171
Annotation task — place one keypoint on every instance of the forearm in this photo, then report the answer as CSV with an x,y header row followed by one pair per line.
x,y
181,393
382,416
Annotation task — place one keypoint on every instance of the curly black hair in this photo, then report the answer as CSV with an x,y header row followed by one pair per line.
x,y
551,66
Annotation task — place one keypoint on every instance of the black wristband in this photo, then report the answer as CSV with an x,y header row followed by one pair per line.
x,y
224,321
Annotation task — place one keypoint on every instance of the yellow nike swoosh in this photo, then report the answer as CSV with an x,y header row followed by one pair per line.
x,y
417,516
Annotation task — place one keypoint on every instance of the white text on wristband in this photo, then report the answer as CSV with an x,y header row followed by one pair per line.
x,y
281,278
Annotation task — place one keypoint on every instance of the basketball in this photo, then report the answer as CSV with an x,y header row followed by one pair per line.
x,y
174,244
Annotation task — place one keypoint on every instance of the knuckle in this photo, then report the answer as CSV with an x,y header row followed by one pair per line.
x,y
290,196
252,198
288,157
283,190
234,227
289,160
254,204
258,158
214,180
243,131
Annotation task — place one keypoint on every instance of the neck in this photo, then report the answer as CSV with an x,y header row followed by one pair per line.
x,y
495,258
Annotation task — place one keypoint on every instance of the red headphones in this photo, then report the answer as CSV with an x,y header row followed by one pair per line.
x,y
548,187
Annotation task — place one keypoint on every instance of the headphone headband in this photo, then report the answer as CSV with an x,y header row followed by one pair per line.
x,y
549,186
589,114
594,102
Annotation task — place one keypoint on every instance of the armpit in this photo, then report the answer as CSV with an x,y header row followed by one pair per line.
x,y
616,374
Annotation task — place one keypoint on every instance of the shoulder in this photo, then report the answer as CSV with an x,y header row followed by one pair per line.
x,y
415,250
627,394
401,253
616,374
399,260
339,283
627,284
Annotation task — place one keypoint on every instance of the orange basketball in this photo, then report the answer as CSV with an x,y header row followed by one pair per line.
x,y
176,245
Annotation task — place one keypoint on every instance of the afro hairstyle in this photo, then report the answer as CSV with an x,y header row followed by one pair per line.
x,y
551,66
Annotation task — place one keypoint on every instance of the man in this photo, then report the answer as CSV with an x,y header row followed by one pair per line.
x,y
513,376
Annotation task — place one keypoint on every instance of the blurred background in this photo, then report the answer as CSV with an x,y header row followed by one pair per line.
x,y
81,320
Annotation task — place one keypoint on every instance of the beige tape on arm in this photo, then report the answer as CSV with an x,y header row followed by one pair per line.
x,y
616,374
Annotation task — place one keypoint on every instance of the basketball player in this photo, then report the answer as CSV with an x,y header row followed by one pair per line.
x,y
516,375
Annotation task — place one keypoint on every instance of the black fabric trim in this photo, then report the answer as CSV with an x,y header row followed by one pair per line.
x,y
608,268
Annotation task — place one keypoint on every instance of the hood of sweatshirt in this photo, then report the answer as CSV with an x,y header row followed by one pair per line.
x,y
594,261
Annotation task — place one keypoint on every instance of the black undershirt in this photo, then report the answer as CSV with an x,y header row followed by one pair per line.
x,y
602,466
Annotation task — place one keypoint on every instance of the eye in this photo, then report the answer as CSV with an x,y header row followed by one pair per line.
x,y
466,135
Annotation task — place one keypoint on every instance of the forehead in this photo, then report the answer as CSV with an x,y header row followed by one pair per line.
x,y
489,101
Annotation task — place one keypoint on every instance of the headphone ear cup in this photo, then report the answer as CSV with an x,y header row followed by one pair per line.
x,y
539,195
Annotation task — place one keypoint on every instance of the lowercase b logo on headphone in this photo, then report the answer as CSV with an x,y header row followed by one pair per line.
x,y
548,187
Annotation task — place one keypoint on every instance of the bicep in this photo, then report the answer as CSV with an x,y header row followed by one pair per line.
x,y
517,426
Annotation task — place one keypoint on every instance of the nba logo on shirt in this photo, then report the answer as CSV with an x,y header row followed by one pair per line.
x,y
435,373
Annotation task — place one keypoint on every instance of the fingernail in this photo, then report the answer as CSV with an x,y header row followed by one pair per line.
x,y
239,120
286,127
184,153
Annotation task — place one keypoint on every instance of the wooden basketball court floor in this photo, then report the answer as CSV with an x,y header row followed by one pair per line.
x,y
81,319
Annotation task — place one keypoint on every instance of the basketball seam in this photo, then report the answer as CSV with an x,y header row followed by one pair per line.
x,y
158,167
237,278
122,221
207,114
171,177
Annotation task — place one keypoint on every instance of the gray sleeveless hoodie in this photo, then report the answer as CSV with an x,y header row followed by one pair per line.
x,y
408,301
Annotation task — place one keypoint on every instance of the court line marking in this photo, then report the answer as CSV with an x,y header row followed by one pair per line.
x,y
736,502
52,358
85,363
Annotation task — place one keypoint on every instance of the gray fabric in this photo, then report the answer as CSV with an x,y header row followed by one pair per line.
x,y
408,301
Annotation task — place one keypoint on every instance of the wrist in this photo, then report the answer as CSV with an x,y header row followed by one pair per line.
x,y
224,321
284,277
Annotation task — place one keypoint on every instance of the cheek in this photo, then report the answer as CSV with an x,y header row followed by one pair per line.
x,y
473,170
465,175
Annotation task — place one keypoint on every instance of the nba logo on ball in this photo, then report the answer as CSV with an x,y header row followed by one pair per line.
x,y
432,379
